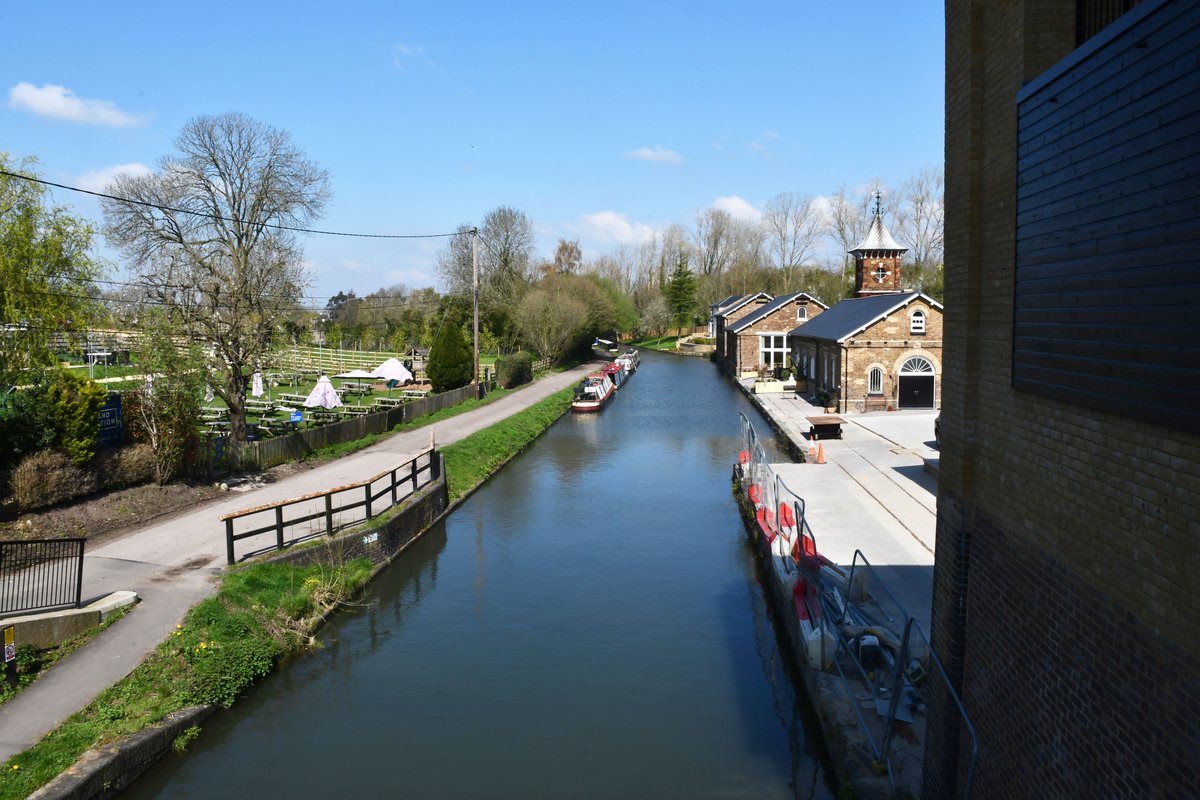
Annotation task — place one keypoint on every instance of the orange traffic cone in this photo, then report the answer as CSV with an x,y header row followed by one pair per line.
x,y
821,454
812,446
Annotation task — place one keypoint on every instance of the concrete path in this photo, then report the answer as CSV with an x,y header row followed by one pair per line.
x,y
873,494
172,565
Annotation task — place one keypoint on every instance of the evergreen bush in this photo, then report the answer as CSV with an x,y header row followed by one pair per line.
x,y
450,361
514,369
26,426
75,404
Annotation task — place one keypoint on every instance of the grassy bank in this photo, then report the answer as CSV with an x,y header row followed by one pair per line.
x,y
470,461
227,642
657,343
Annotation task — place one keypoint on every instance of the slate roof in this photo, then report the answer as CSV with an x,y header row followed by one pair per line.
x,y
739,301
725,302
764,310
878,238
852,316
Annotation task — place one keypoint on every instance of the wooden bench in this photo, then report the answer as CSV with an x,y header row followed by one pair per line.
x,y
825,426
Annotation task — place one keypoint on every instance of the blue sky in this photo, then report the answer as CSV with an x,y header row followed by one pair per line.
x,y
602,121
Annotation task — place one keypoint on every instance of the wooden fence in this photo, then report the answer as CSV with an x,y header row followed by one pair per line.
x,y
275,526
268,453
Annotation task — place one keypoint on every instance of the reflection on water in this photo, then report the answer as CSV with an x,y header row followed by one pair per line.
x,y
589,624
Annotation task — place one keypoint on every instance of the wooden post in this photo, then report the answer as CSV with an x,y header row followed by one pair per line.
x,y
393,487
229,541
279,527
413,465
368,491
329,515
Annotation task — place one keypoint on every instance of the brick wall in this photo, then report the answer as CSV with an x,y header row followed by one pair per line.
x,y
745,356
727,342
1064,588
888,344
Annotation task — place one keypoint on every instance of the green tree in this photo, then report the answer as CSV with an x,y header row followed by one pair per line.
x,y
75,404
209,235
680,292
450,360
46,272
168,405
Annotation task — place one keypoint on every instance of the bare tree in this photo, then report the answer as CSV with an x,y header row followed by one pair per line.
x,y
713,240
792,223
203,233
920,217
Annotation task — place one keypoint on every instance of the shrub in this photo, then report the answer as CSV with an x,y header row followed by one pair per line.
x,y
49,477
26,426
450,361
75,404
514,369
125,466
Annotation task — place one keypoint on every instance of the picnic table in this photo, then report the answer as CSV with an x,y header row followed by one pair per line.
x,y
390,402
351,387
294,398
281,378
825,426
354,411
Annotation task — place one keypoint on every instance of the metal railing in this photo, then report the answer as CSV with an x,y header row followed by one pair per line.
x,y
326,513
850,603
40,575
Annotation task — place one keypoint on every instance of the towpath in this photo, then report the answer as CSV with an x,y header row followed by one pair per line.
x,y
174,564
876,492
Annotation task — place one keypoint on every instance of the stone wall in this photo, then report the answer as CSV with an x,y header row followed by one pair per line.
x,y
1064,587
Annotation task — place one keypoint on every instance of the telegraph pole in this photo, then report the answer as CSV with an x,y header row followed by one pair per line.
x,y
475,293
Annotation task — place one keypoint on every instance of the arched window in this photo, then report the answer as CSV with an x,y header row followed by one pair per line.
x,y
916,323
875,381
917,365
801,313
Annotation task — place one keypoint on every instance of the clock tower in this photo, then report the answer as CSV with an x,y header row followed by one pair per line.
x,y
877,258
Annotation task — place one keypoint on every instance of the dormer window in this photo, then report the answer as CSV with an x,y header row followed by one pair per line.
x,y
916,323
801,313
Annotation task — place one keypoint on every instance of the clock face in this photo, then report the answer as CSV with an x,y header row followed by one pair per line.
x,y
880,274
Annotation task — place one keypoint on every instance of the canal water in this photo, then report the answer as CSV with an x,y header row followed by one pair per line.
x,y
588,625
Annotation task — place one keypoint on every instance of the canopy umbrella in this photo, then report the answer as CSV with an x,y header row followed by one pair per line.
x,y
355,373
393,370
323,395
257,389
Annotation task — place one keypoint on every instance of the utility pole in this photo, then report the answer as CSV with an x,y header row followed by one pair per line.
x,y
475,293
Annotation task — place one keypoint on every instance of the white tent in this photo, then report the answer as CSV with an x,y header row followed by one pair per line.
x,y
393,370
323,395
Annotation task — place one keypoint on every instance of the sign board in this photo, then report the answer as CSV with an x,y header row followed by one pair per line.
x,y
10,644
112,423
297,416
371,538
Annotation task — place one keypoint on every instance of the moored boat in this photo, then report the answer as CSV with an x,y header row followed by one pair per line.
x,y
593,393
630,358
617,373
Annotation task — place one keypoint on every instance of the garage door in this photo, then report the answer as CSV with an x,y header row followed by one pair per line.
x,y
915,384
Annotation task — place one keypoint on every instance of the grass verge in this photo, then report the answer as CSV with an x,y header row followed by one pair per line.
x,y
227,642
470,461
657,343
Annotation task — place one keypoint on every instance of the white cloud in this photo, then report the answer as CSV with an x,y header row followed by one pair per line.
x,y
59,102
607,227
406,52
658,154
738,208
98,180
770,134
350,265
759,148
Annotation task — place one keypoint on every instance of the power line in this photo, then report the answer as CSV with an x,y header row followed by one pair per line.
x,y
219,218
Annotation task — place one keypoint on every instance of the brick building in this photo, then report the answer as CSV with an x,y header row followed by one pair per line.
x,y
730,310
1066,602
880,349
760,337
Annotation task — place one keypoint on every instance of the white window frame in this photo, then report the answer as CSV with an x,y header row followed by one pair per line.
x,y
801,313
875,380
916,323
773,350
